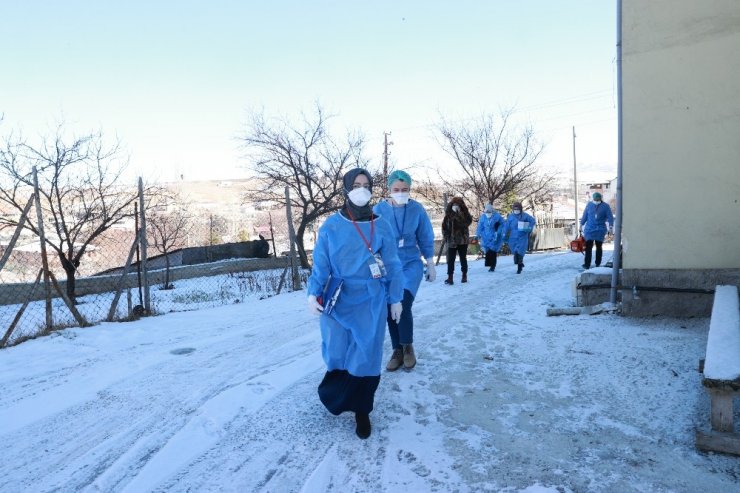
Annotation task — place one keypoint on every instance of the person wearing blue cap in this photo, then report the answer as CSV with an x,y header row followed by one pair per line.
x,y
596,221
355,282
489,235
415,239
517,228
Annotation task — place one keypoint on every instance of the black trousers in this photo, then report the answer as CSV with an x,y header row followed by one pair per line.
x,y
491,258
462,251
589,246
339,392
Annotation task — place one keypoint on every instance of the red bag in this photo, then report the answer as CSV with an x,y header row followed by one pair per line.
x,y
578,245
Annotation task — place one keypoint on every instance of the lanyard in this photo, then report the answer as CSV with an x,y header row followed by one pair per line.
x,y
372,231
403,222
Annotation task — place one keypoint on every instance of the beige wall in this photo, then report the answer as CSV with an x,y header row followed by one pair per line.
x,y
681,134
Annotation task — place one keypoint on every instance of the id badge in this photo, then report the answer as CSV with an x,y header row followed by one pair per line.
x,y
523,225
374,268
400,243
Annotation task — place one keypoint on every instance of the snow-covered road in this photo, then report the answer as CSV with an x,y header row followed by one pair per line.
x,y
503,399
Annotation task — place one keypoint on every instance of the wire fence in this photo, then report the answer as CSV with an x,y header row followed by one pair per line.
x,y
122,275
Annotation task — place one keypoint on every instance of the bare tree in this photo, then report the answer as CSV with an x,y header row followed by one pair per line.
x,y
79,186
495,157
169,231
306,158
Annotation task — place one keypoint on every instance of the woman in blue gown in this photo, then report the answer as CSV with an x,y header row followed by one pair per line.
x,y
358,250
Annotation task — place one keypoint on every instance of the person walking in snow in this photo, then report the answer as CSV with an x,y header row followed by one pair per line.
x,y
596,221
415,239
456,234
356,275
517,227
489,235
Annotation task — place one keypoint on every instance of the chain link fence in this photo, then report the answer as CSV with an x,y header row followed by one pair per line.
x,y
120,278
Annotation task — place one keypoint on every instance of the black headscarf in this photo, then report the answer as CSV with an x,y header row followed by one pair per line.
x,y
364,213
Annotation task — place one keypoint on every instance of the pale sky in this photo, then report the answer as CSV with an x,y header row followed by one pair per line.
x,y
174,80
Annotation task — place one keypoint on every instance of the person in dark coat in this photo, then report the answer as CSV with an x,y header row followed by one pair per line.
x,y
456,234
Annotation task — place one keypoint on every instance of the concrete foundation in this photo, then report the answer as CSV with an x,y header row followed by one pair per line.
x,y
644,300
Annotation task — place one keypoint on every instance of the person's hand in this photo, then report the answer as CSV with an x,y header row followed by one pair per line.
x,y
431,270
396,310
314,307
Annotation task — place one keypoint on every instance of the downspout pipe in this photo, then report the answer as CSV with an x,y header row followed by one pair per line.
x,y
617,262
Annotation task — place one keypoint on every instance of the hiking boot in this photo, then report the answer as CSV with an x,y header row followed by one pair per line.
x,y
363,428
519,268
396,360
409,358
491,269
449,280
465,277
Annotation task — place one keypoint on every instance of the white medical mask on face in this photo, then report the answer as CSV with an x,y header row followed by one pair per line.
x,y
360,196
597,202
401,198
489,214
516,211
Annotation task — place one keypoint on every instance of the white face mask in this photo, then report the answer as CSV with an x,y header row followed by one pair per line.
x,y
360,196
456,208
401,198
489,214
516,211
597,202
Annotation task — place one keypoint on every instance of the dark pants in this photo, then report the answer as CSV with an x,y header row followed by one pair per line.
x,y
491,258
339,392
403,331
589,246
462,251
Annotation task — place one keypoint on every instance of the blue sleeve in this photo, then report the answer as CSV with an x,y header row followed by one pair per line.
x,y
425,233
584,217
393,268
321,265
479,229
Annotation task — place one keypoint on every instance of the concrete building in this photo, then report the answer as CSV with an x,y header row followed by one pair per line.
x,y
680,153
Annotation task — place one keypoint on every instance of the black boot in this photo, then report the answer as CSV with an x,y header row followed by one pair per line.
x,y
363,428
449,279
519,267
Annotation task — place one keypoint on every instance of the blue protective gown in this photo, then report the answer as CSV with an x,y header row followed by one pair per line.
x,y
518,234
411,224
489,236
595,218
352,335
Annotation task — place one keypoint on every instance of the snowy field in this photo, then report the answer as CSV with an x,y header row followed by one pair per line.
x,y
503,398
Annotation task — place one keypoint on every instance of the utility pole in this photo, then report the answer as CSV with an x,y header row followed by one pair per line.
x,y
575,179
385,162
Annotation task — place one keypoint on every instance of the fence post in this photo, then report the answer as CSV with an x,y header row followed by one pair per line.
x,y
143,239
42,244
291,235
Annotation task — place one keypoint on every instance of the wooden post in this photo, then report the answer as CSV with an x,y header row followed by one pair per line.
x,y
291,235
143,242
18,315
42,243
17,232
122,280
272,235
80,319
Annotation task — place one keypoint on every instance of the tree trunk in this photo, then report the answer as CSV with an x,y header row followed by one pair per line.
x,y
299,246
69,270
167,271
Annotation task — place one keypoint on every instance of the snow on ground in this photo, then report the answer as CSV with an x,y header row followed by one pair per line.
x,y
503,398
